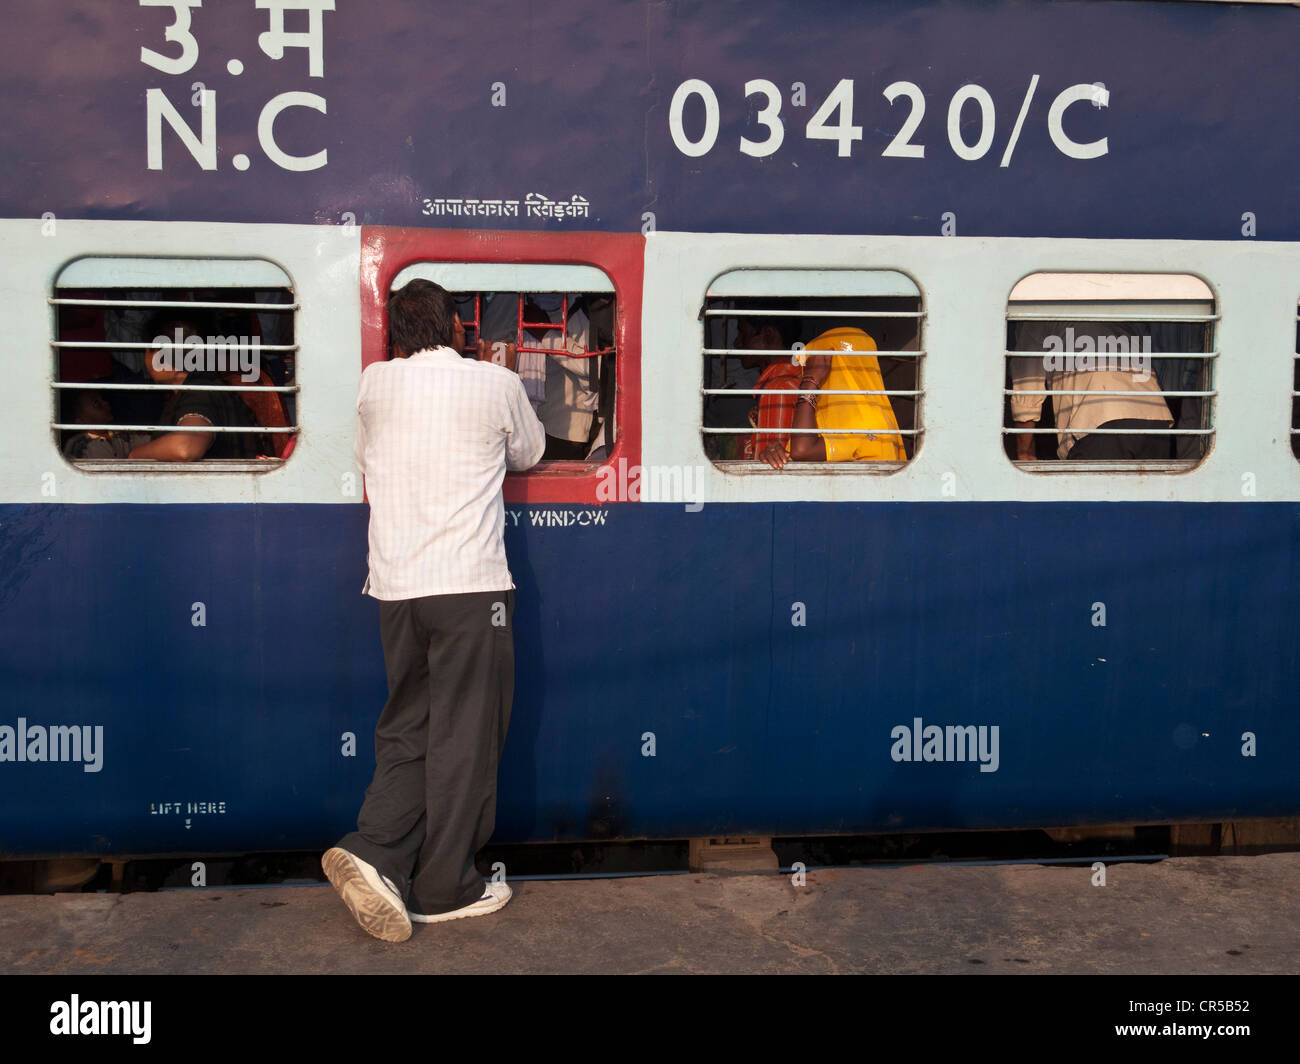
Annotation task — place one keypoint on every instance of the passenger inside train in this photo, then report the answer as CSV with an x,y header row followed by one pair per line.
x,y
93,408
796,390
251,349
743,373
841,413
778,380
1127,360
1111,391
561,345
165,364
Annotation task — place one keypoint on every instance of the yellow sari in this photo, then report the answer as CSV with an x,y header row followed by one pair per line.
x,y
871,414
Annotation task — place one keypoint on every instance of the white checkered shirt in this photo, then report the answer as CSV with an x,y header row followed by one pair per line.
x,y
435,435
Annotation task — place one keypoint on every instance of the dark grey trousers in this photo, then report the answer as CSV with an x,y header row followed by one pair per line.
x,y
1107,446
431,806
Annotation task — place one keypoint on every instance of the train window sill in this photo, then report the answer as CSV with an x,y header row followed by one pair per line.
x,y
1182,465
751,467
560,468
202,466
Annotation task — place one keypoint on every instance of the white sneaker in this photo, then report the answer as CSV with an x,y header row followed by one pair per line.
x,y
494,897
373,899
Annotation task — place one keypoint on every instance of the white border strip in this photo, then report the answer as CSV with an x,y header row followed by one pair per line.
x,y
966,283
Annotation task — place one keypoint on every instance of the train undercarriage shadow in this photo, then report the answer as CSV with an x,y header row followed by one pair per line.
x,y
580,860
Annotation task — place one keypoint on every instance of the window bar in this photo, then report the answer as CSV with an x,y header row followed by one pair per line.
x,y
1099,354
1110,432
171,428
1110,319
187,305
535,324
816,314
1100,391
835,391
123,345
586,352
820,432
473,322
785,352
93,387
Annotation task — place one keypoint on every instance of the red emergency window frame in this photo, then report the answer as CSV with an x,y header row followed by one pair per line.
x,y
522,327
387,250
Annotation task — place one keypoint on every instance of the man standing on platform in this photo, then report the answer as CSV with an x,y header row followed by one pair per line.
x,y
435,435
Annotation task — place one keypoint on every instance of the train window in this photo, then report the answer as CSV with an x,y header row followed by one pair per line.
x,y
1295,390
819,367
168,364
555,327
1127,362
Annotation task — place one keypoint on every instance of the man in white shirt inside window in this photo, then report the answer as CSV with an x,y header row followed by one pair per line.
x,y
572,402
1113,399
435,435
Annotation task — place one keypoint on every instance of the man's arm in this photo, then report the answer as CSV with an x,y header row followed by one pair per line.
x,y
499,352
1026,410
1028,373
178,446
1025,442
525,437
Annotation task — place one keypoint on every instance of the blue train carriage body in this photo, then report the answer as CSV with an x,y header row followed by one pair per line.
x,y
705,646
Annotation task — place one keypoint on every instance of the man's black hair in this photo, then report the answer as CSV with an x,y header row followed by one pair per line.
x,y
421,315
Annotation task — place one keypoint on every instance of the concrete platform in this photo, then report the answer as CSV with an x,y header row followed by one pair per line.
x,y
1198,915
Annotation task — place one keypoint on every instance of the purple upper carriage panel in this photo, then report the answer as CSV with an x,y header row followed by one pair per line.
x,y
1107,119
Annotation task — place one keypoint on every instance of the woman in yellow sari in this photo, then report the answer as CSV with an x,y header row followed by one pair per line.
x,y
832,365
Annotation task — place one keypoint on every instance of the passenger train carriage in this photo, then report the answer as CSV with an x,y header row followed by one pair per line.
x,y
970,636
